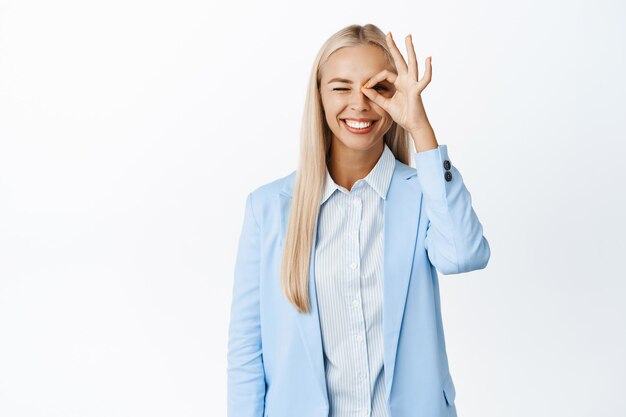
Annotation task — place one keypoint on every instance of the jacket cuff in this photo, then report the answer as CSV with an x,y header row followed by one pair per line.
x,y
434,171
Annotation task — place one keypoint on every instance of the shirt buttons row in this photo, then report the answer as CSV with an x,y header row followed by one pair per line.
x,y
360,338
356,201
353,265
355,302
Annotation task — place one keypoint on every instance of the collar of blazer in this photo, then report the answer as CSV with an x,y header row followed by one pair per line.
x,y
402,212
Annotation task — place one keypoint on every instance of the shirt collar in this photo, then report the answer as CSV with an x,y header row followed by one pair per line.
x,y
378,178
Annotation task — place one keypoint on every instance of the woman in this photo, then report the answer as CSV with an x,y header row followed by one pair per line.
x,y
335,309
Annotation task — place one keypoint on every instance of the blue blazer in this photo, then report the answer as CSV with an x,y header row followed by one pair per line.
x,y
275,354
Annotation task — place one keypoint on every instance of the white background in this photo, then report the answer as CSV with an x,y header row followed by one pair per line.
x,y
131,133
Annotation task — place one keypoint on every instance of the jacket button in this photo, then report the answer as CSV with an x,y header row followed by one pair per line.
x,y
448,176
446,164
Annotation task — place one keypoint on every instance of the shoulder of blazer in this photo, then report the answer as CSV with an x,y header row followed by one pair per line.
x,y
262,197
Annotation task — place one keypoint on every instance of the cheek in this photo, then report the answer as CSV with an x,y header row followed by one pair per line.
x,y
333,102
332,109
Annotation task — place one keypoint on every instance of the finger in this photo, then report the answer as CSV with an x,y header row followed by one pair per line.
x,y
381,76
413,69
428,73
379,99
395,53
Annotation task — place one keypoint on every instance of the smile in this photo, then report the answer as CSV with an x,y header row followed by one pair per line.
x,y
359,127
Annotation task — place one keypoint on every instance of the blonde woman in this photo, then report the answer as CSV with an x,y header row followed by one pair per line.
x,y
335,309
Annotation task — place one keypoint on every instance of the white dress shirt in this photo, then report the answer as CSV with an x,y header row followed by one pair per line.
x,y
349,286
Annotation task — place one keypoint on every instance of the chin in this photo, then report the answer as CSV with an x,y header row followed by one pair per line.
x,y
356,143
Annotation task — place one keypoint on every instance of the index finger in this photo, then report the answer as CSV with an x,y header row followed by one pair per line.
x,y
395,53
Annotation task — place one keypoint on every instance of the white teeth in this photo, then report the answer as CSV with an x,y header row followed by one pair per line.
x,y
358,125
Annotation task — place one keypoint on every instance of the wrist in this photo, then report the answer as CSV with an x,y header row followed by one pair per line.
x,y
424,139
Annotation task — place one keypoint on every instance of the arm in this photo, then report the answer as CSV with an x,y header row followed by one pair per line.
x,y
246,375
454,236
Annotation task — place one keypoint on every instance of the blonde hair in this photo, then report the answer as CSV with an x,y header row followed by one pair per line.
x,y
315,139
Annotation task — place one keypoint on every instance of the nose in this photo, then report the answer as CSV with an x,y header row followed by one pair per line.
x,y
360,102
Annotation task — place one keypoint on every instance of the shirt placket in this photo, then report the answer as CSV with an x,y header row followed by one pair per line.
x,y
361,364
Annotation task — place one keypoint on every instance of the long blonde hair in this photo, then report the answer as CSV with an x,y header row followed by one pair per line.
x,y
315,139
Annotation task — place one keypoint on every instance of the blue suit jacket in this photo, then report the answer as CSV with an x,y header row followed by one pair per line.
x,y
275,356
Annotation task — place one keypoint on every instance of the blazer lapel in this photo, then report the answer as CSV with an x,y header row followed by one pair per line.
x,y
402,212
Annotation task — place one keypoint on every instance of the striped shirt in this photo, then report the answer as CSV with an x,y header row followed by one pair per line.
x,y
349,286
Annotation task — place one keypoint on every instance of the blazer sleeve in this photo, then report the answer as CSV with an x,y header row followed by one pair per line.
x,y
454,236
246,375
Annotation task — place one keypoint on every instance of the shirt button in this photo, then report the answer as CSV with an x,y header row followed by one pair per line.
x,y
360,338
355,201
355,302
353,265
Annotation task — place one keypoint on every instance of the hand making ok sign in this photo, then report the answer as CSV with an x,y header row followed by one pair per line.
x,y
405,107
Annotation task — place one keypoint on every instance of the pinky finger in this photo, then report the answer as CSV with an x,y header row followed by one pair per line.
x,y
429,71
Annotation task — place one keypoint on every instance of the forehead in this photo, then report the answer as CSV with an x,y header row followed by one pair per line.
x,y
355,61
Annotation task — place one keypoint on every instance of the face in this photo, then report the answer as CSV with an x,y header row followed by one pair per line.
x,y
343,76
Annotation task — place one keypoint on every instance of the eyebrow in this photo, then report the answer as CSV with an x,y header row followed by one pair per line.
x,y
340,80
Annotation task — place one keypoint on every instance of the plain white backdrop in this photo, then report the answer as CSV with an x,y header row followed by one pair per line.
x,y
132,131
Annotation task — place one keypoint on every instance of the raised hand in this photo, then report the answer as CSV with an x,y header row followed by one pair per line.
x,y
405,106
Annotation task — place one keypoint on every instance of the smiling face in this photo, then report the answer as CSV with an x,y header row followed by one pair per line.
x,y
347,70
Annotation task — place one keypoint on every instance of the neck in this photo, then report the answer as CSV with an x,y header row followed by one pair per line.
x,y
346,166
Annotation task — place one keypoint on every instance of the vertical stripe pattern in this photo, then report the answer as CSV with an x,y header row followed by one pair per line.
x,y
349,284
